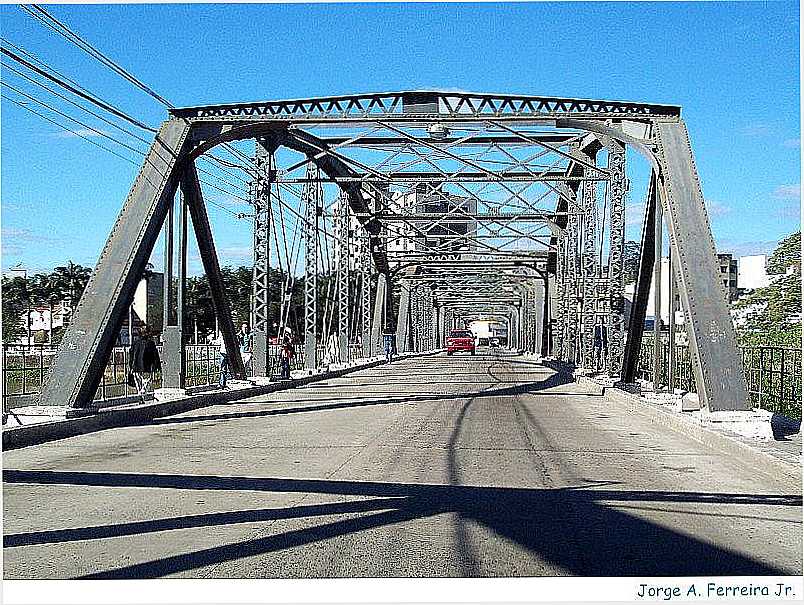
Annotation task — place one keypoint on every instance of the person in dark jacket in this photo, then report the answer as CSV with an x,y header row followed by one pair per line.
x,y
144,360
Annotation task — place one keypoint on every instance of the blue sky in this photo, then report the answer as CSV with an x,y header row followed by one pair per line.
x,y
733,67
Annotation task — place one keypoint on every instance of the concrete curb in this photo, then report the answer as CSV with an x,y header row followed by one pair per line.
x,y
34,434
761,456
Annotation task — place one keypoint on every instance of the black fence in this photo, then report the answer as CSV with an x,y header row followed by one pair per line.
x,y
25,368
773,374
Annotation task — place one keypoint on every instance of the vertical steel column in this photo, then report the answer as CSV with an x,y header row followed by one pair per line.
x,y
403,318
671,353
209,257
559,314
438,310
657,299
167,275
572,289
312,210
636,321
380,310
344,318
181,293
617,189
431,319
590,272
260,304
414,316
365,294
172,345
546,318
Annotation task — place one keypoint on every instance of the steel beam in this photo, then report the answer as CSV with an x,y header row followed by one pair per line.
x,y
380,313
365,295
403,318
78,366
426,105
617,189
647,254
713,342
191,190
265,168
657,300
590,272
344,302
312,210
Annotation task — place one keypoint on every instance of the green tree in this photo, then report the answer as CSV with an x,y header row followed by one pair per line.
x,y
15,303
630,262
773,313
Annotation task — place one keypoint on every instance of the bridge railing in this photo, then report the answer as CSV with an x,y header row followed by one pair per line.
x,y
773,373
25,368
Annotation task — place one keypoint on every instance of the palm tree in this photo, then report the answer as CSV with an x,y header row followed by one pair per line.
x,y
71,280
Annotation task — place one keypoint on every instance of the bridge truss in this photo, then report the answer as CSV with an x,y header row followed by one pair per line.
x,y
444,206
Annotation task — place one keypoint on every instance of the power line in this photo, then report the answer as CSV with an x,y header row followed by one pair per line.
x,y
60,28
107,136
68,129
92,99
64,97
64,31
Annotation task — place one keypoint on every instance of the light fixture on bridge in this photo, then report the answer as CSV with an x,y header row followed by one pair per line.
x,y
437,131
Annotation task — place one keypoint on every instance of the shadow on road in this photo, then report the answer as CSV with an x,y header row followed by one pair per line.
x,y
541,387
577,529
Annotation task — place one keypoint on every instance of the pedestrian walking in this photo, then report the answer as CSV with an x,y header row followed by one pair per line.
x,y
285,355
389,345
143,360
223,360
245,339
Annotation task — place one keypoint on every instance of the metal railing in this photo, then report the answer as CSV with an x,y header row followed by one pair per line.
x,y
773,374
25,368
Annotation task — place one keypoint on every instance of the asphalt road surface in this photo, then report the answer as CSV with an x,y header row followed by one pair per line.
x,y
435,466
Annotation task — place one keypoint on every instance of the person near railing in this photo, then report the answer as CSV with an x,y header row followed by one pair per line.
x,y
143,360
245,339
223,360
389,345
285,355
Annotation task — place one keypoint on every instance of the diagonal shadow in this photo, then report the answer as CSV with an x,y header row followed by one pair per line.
x,y
249,548
553,381
97,532
578,530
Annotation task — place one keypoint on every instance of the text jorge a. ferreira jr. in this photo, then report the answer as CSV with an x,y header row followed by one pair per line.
x,y
668,592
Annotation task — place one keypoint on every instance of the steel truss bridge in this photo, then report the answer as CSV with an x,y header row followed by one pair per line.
x,y
446,206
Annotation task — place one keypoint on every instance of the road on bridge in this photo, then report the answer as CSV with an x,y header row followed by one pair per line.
x,y
433,466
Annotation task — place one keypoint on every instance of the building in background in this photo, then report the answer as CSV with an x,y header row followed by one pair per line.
x,y
146,308
448,234
752,272
728,275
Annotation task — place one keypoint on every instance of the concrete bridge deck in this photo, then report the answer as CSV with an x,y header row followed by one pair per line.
x,y
462,466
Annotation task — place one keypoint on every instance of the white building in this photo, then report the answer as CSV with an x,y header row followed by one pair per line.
x,y
650,311
751,272
443,234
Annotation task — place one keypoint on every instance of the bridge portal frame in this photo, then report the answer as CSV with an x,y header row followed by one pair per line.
x,y
656,131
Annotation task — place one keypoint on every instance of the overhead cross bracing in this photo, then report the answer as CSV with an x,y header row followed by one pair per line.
x,y
424,202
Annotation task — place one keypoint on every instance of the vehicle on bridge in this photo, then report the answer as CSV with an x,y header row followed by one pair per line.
x,y
460,340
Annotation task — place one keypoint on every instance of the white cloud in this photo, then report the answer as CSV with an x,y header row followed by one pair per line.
x,y
634,214
756,130
716,209
743,248
24,236
235,252
787,192
80,132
